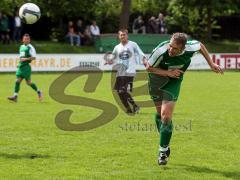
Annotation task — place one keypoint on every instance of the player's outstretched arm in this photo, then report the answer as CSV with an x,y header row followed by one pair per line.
x,y
216,68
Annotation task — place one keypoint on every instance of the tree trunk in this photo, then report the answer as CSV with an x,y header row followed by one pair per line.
x,y
209,22
125,13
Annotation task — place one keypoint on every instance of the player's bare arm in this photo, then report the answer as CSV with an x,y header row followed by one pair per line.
x,y
27,59
174,73
216,68
108,62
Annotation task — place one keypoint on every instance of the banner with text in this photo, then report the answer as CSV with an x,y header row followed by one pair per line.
x,y
64,62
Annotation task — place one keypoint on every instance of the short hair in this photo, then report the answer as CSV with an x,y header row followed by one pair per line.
x,y
179,38
123,30
26,35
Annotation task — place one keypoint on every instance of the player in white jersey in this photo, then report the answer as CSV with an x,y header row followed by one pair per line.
x,y
124,61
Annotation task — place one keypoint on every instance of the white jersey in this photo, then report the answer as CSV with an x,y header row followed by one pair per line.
x,y
126,57
32,51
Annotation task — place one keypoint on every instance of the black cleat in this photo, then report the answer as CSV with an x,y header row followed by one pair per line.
x,y
13,98
136,109
40,95
168,152
129,111
162,159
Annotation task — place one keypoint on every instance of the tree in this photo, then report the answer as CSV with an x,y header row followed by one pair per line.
x,y
197,17
107,15
125,13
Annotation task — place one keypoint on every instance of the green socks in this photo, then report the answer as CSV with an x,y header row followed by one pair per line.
x,y
158,121
165,134
34,87
165,131
17,87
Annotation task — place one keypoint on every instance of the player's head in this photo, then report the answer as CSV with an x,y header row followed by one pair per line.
x,y
26,39
177,44
123,35
94,22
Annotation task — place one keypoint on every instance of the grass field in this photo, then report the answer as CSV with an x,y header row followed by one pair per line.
x,y
49,47
205,143
223,46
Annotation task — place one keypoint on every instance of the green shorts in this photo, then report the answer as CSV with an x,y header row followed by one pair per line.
x,y
24,72
163,88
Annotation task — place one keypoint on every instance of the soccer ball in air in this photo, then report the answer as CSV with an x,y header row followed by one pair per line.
x,y
29,13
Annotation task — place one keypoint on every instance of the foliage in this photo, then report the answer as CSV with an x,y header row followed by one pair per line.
x,y
194,16
107,15
149,7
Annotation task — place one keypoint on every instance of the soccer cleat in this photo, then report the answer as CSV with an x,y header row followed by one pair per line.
x,y
13,98
162,159
129,111
40,95
136,109
168,152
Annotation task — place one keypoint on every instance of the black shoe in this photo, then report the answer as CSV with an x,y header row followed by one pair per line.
x,y
40,95
136,109
168,152
129,111
162,159
13,98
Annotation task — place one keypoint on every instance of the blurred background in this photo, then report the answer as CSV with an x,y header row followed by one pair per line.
x,y
206,135
216,22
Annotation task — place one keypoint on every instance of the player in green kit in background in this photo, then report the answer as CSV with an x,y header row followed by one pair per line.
x,y
166,66
27,54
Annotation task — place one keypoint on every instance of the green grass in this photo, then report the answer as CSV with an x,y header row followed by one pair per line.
x,y
49,47
32,147
224,46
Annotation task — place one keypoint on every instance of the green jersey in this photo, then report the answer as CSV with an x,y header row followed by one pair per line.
x,y
24,68
165,88
160,58
26,51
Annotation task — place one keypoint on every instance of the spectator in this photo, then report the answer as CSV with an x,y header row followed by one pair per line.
x,y
17,28
152,25
95,31
80,31
72,35
138,26
4,28
88,36
162,28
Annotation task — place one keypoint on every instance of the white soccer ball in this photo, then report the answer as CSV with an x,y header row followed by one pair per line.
x,y
29,13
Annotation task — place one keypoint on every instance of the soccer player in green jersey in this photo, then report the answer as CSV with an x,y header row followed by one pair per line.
x,y
27,54
166,66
